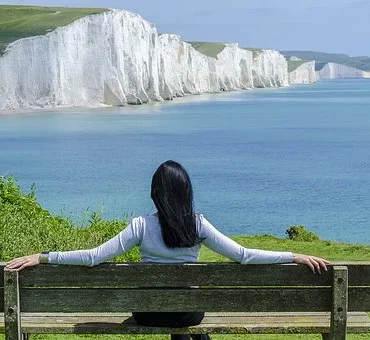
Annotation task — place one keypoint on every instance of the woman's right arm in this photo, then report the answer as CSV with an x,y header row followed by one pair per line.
x,y
121,243
223,245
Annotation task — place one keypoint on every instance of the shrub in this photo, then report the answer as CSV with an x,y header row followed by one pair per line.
x,y
300,233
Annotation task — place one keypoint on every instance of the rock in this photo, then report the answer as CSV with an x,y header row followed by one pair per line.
x,y
335,71
303,73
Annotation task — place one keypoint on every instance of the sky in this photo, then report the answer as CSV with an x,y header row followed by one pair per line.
x,y
338,26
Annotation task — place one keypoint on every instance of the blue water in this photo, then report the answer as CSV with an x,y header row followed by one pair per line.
x,y
260,160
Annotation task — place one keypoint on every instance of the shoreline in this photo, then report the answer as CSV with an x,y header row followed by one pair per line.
x,y
187,98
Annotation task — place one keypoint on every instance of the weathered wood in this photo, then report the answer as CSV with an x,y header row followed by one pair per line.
x,y
113,287
1,299
338,322
12,305
176,275
359,299
359,275
175,300
238,323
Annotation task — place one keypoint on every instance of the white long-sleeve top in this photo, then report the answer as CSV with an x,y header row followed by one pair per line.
x,y
145,232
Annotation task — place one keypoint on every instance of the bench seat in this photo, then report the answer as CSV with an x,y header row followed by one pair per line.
x,y
213,323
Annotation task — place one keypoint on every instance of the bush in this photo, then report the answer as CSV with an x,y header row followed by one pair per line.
x,y
300,233
27,228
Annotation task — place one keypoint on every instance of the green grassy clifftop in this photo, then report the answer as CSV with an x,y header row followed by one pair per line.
x,y
18,22
210,49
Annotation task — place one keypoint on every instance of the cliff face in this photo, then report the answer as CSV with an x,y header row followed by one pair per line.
x,y
335,71
117,58
269,69
303,74
183,70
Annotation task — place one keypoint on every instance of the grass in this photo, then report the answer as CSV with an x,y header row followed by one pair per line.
x,y
294,64
333,251
25,227
210,49
18,22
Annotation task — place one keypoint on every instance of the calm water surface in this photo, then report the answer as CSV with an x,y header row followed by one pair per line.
x,y
260,160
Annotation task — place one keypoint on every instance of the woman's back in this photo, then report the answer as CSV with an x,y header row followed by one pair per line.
x,y
152,246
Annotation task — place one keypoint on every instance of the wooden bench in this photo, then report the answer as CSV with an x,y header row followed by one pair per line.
x,y
254,299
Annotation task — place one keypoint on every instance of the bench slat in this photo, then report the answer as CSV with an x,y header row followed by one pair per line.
x,y
359,274
359,299
176,300
238,323
175,275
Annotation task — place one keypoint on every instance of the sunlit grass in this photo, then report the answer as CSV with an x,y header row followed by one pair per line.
x,y
18,22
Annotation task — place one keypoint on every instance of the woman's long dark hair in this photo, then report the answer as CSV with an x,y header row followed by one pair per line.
x,y
172,194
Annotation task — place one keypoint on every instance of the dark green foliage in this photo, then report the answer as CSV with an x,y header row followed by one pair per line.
x,y
361,63
300,233
26,228
18,22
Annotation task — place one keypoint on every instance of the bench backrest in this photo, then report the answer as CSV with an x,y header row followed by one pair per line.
x,y
221,287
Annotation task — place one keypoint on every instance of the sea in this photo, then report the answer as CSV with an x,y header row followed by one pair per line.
x,y
260,160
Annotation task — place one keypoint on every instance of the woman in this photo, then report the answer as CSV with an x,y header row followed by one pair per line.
x,y
174,234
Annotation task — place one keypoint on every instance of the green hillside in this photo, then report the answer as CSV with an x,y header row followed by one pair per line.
x,y
362,63
18,22
210,49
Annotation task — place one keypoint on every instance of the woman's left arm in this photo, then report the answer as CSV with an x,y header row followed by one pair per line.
x,y
223,245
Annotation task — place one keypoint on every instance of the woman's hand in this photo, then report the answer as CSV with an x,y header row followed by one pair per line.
x,y
315,263
24,262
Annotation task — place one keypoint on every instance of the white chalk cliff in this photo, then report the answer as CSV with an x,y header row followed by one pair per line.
x,y
303,74
335,71
117,58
